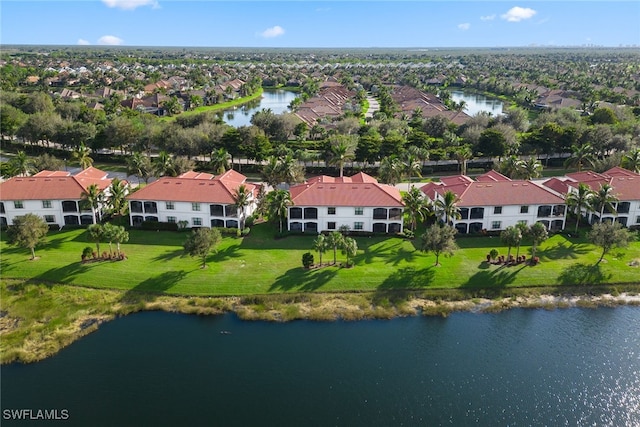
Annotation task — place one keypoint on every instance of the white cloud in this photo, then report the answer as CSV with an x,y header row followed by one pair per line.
x,y
130,4
488,17
464,26
110,41
272,32
517,14
83,42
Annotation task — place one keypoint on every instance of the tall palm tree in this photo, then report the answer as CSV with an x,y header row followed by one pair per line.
x,y
339,153
580,200
530,168
510,166
447,207
581,155
603,199
390,170
462,154
242,199
511,236
631,160
118,193
411,166
82,155
278,201
163,165
417,206
93,197
20,164
220,159
320,245
334,241
271,171
290,170
139,165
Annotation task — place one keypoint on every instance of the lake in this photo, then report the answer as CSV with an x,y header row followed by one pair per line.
x,y
519,367
277,100
477,103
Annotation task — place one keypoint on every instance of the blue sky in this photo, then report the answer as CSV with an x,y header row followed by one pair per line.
x,y
302,23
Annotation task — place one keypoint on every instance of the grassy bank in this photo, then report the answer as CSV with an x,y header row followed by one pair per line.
x,y
217,107
52,301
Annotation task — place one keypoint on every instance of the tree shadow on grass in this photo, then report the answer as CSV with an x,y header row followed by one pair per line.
x,y
498,278
303,280
583,274
65,274
563,250
149,289
402,283
169,255
393,253
225,254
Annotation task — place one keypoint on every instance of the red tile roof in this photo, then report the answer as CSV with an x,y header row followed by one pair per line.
x,y
194,187
358,190
618,171
557,185
503,193
492,176
53,185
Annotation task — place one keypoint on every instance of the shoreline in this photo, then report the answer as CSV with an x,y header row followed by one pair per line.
x,y
30,333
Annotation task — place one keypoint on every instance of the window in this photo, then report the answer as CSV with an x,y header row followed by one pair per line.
x,y
50,218
497,210
331,225
18,204
358,225
495,225
524,209
172,219
331,211
196,221
170,206
359,211
195,206
46,204
638,220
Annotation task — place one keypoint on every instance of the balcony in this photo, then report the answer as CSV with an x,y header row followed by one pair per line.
x,y
380,213
69,206
136,207
476,213
395,214
150,207
295,213
623,207
231,211
310,213
216,210
544,211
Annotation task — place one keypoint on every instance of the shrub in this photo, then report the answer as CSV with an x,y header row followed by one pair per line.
x,y
493,253
246,231
307,259
249,221
87,253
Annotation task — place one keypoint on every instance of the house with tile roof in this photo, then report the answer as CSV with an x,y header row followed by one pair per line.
x,y
200,199
493,202
325,203
54,195
626,188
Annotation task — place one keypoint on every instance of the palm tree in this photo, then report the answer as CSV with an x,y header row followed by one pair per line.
x,y
242,199
604,199
530,168
390,170
20,164
93,197
334,241
511,236
631,160
118,193
580,155
139,165
339,153
219,162
349,248
538,234
278,201
417,205
462,154
411,165
163,165
82,156
271,171
320,245
580,200
447,207
289,170
510,166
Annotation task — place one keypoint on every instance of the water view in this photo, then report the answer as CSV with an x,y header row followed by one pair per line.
x,y
519,367
277,100
477,103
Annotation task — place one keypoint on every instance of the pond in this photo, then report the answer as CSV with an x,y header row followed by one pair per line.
x,y
519,367
477,103
277,100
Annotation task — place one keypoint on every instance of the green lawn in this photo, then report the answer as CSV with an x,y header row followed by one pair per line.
x,y
260,264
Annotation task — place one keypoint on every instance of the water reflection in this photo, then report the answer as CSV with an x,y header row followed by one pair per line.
x,y
476,103
276,100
